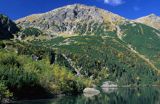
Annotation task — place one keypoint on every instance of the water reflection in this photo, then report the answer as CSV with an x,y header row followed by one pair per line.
x,y
145,95
109,90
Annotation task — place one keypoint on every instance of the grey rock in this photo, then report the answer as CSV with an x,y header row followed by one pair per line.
x,y
89,92
73,19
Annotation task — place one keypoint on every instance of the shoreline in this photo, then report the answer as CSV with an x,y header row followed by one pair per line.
x,y
62,95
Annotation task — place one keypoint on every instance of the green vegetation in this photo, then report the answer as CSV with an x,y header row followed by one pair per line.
x,y
143,39
91,54
39,78
31,32
7,27
4,92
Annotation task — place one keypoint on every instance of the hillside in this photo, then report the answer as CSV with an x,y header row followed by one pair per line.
x,y
143,39
88,33
77,46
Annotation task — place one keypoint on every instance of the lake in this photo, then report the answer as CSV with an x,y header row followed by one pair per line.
x,y
145,95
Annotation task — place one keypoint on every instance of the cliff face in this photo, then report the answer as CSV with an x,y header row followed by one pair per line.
x,y
7,27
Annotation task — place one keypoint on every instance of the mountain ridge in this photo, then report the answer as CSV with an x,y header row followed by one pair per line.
x,y
150,20
81,16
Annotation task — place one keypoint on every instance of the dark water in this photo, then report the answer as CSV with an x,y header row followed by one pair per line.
x,y
146,95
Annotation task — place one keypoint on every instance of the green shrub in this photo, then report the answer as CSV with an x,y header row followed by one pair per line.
x,y
31,32
21,74
61,80
15,75
4,92
2,45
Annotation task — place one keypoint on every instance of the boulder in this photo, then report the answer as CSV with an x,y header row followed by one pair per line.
x,y
89,92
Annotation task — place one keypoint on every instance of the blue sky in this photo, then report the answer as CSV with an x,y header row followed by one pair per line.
x,y
130,9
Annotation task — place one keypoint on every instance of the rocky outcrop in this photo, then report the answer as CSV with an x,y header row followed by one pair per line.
x,y
7,27
72,19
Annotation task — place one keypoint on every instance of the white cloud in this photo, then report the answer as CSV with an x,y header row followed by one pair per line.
x,y
114,2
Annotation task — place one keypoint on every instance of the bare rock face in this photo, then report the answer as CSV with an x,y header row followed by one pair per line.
x,y
150,20
72,19
7,27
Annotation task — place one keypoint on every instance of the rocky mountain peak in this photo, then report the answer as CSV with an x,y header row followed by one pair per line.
x,y
67,13
71,19
152,15
151,20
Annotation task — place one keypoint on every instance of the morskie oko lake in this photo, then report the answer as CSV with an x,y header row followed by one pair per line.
x,y
143,95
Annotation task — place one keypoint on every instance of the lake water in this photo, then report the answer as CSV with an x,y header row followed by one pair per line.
x,y
145,95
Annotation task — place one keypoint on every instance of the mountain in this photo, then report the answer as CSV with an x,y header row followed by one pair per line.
x,y
150,20
97,37
78,46
7,27
72,20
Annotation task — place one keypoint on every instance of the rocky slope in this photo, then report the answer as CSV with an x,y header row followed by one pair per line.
x,y
150,20
72,19
7,27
